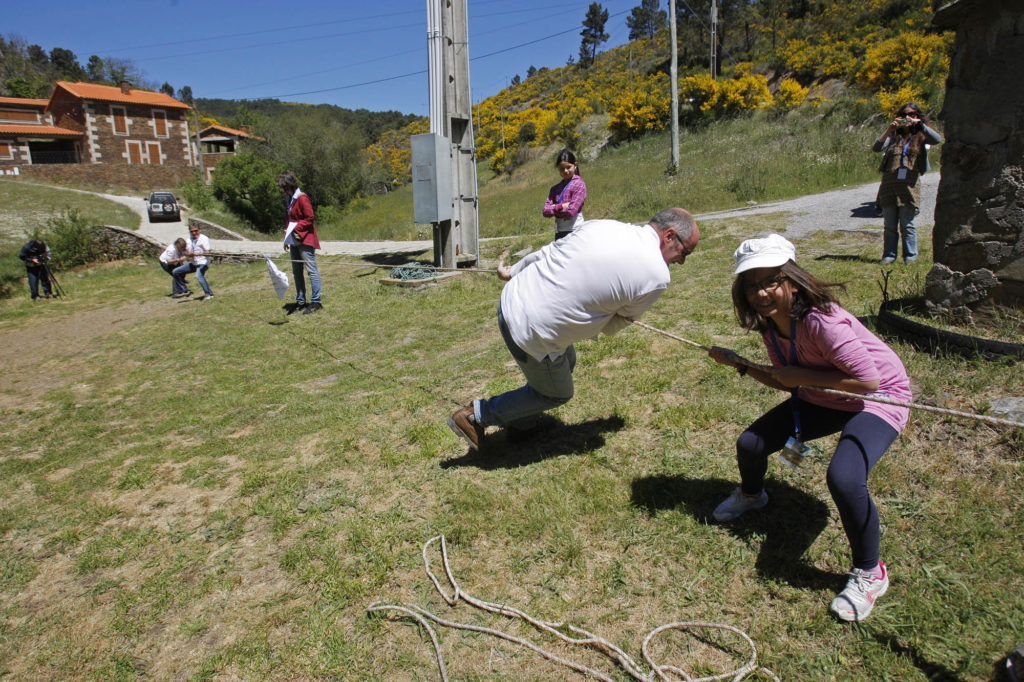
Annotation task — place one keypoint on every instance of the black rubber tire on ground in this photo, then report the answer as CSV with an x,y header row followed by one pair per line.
x,y
930,338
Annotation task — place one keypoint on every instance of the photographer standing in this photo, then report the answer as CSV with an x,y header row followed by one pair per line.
x,y
904,147
36,255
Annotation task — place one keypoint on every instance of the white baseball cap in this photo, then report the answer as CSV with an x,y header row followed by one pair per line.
x,y
769,252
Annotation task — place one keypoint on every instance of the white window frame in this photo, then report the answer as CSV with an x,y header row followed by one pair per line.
x,y
113,120
142,151
15,121
167,124
159,153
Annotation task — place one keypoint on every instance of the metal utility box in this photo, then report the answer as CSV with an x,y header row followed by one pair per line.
x,y
431,178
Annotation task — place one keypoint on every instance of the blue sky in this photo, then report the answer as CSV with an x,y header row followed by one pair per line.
x,y
352,54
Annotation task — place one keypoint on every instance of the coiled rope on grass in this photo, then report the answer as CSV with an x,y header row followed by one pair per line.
x,y
998,421
246,258
577,636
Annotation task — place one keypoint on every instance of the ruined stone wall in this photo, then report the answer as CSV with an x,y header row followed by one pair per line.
x,y
979,212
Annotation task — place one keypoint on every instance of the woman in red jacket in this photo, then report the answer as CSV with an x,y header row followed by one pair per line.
x,y
300,238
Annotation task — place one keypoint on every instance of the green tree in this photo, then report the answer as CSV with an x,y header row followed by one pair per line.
x,y
96,68
593,33
321,151
185,94
248,185
531,72
645,19
167,89
66,65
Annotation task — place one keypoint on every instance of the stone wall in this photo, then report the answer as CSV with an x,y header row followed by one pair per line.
x,y
146,178
979,212
215,231
119,243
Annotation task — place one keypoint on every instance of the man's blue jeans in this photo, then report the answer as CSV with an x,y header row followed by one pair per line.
x,y
304,258
548,385
37,275
900,219
176,286
200,270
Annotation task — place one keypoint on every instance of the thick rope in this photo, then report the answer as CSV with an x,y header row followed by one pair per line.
x,y
582,637
233,259
998,421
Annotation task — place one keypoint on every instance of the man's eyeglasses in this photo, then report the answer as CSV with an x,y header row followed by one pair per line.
x,y
751,288
686,251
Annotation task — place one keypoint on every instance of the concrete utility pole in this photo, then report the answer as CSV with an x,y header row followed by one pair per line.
x,y
451,115
713,67
674,76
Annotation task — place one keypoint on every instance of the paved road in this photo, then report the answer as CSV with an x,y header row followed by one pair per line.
x,y
850,208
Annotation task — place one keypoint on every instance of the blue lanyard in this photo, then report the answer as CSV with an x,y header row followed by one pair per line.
x,y
564,189
903,156
291,201
792,361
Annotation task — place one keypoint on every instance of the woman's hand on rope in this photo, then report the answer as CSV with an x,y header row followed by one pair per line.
x,y
503,271
725,356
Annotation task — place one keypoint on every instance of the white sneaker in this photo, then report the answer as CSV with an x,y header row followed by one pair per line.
x,y
737,503
855,602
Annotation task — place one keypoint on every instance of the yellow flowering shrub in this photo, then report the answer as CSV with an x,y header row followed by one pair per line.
x,y
640,112
741,94
790,95
390,158
700,91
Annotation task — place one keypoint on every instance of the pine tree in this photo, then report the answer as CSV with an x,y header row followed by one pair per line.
x,y
593,33
645,19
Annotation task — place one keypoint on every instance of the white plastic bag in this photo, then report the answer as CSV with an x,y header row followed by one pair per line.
x,y
277,278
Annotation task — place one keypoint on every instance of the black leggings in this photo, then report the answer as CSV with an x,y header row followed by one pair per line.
x,y
865,438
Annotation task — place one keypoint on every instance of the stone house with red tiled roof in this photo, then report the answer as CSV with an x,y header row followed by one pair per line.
x,y
219,143
100,133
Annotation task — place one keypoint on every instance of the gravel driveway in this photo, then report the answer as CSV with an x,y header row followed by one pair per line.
x,y
850,208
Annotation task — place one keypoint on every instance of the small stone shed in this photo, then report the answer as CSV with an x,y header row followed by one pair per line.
x,y
979,212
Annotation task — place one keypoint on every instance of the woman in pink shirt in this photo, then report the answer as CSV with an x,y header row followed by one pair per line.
x,y
812,341
565,200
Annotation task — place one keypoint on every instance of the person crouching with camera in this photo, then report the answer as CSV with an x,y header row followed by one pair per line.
x,y
904,147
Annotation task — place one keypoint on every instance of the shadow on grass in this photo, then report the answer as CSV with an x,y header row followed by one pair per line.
x,y
502,452
789,524
933,671
848,257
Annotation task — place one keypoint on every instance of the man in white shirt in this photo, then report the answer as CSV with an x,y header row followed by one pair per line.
x,y
600,278
198,245
173,256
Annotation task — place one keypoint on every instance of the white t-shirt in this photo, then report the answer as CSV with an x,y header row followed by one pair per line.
x,y
198,245
573,288
170,253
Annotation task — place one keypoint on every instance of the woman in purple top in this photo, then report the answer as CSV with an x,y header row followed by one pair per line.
x,y
565,200
812,341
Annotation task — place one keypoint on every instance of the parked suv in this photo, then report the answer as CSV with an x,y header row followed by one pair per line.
x,y
163,206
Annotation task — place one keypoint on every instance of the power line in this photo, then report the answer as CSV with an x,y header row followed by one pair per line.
x,y
422,71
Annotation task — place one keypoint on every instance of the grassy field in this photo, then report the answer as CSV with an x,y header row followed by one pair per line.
x,y
216,491
27,207
760,158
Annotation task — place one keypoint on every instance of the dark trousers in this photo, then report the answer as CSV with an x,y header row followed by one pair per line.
x,y
865,438
37,275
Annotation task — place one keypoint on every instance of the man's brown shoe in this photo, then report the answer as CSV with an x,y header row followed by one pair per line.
x,y
463,424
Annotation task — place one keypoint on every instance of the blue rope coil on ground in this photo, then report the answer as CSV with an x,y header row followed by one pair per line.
x,y
413,270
